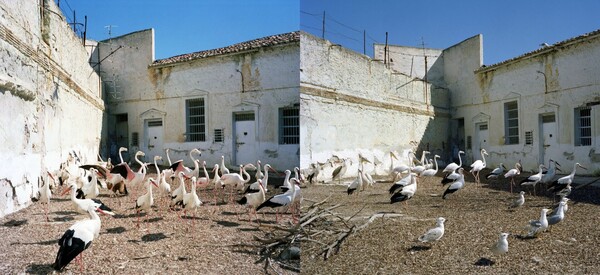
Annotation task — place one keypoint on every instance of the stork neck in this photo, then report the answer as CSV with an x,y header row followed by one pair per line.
x,y
459,160
483,158
168,158
243,170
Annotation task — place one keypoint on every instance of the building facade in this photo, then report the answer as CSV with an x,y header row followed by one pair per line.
x,y
240,101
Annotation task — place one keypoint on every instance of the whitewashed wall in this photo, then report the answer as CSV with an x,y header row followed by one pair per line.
x,y
271,81
572,81
411,61
50,99
351,104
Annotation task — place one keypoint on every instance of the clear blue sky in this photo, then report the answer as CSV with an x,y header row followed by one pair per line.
x,y
186,26
509,27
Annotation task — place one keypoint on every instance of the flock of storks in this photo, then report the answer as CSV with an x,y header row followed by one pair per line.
x,y
85,181
404,187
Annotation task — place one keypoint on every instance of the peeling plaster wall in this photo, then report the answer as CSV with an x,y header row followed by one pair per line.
x,y
261,81
49,99
570,81
351,104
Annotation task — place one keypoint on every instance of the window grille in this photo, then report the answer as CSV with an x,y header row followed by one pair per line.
x,y
511,123
583,126
195,120
289,125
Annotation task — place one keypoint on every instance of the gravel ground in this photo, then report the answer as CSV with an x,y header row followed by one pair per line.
x,y
164,243
474,216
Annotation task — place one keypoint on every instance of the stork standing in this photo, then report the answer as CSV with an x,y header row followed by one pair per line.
x,y
76,239
478,165
548,176
407,191
533,179
453,166
253,200
145,202
339,171
224,169
279,201
254,186
191,200
565,181
457,184
81,205
235,180
179,192
356,184
431,172
44,193
512,174
498,171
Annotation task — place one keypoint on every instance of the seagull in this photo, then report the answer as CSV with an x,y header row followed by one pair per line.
x,y
498,171
565,207
434,234
558,215
501,246
533,179
478,165
512,174
456,185
519,201
538,226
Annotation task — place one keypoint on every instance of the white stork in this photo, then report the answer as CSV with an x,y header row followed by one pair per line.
x,y
457,184
253,200
279,201
498,171
191,200
478,165
407,191
563,182
533,179
81,205
512,174
431,172
453,166
76,239
145,201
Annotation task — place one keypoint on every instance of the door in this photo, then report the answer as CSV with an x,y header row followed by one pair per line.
x,y
245,138
548,142
481,141
154,138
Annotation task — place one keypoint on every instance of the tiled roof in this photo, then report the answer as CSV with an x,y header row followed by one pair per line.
x,y
541,50
272,40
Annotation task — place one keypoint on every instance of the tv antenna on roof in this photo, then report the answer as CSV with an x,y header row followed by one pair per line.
x,y
109,27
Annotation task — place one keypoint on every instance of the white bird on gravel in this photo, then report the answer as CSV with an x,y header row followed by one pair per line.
x,y
434,234
431,172
538,226
478,165
533,179
501,246
519,201
512,174
453,166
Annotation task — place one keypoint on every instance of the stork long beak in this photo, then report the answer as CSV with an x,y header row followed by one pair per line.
x,y
51,176
66,191
582,167
154,183
558,168
100,211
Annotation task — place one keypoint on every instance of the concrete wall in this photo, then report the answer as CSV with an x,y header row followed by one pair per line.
x,y
351,104
270,81
570,81
50,99
411,61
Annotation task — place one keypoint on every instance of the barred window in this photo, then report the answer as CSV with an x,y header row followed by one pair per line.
x,y
511,123
218,135
583,126
289,125
195,120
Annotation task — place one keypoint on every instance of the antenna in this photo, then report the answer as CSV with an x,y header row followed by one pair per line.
x,y
109,27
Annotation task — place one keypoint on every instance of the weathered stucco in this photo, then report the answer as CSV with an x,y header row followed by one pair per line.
x,y
262,81
351,104
50,99
555,80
